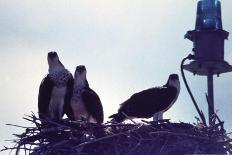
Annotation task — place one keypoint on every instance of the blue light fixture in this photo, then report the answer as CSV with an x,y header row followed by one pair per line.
x,y
208,46
208,40
208,15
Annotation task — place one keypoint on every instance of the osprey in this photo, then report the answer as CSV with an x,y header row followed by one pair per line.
x,y
85,103
149,102
55,90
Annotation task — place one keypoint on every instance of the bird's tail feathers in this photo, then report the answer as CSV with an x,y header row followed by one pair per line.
x,y
113,116
118,117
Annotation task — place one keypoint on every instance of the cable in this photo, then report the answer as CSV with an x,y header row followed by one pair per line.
x,y
189,57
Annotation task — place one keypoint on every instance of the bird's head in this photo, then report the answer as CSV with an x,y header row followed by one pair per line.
x,y
54,62
80,75
173,81
80,71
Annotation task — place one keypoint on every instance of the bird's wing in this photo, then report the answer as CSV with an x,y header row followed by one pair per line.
x,y
93,104
172,91
159,95
45,91
67,107
156,93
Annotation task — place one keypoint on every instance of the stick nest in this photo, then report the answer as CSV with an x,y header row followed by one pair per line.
x,y
147,138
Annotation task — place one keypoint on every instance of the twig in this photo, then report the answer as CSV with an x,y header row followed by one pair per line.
x,y
180,134
104,138
128,117
135,139
20,126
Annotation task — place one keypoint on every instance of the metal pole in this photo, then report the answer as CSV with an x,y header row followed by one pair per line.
x,y
211,99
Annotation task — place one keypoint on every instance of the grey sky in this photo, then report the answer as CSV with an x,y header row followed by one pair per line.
x,y
126,45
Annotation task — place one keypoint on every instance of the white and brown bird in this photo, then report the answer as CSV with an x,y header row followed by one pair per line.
x,y
150,102
55,90
85,103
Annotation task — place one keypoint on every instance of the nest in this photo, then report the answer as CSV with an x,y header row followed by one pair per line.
x,y
146,138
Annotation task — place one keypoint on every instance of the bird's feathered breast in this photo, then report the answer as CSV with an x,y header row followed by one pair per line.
x,y
60,77
45,93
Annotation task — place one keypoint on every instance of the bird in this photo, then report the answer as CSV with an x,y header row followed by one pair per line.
x,y
150,102
55,90
85,103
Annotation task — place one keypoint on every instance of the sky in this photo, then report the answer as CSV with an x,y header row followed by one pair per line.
x,y
126,45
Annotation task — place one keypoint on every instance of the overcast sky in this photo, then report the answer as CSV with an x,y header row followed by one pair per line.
x,y
126,45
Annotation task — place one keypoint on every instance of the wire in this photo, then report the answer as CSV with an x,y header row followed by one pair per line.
x,y
189,57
